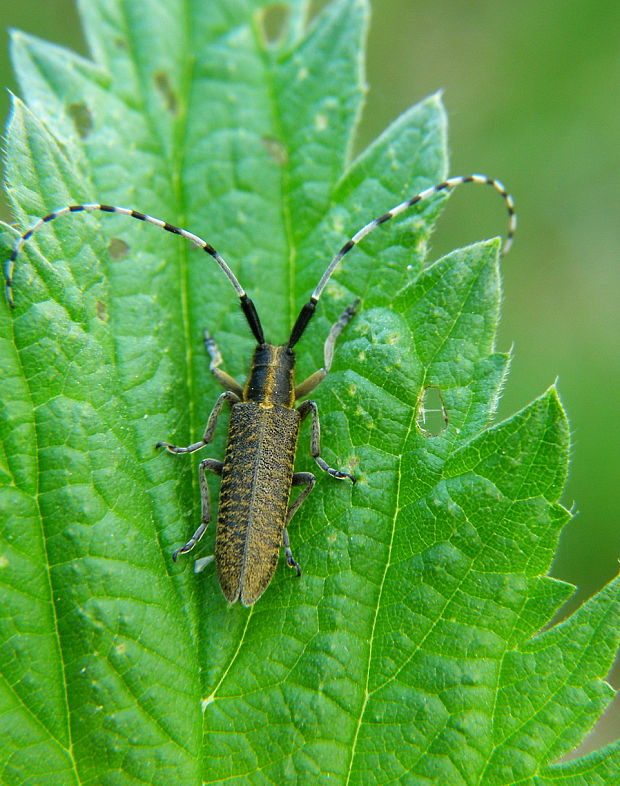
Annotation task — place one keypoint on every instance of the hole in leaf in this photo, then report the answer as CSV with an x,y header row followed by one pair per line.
x,y
276,149
163,84
117,248
201,563
82,119
431,417
274,22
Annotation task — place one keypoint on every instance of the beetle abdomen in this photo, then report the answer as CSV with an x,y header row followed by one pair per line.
x,y
254,496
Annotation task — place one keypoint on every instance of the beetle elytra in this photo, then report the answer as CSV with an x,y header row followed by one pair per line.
x,y
257,472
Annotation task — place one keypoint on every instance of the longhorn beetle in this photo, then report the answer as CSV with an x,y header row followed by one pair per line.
x,y
258,468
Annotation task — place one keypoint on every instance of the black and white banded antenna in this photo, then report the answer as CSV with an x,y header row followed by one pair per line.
x,y
246,303
447,185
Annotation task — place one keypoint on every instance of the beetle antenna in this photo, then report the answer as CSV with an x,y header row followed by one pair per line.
x,y
451,183
247,305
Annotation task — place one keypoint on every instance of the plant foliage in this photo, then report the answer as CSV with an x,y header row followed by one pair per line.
x,y
410,650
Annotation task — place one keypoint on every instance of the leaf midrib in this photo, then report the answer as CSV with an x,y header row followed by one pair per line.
x,y
285,179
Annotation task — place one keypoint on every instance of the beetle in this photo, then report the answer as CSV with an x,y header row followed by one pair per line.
x,y
257,473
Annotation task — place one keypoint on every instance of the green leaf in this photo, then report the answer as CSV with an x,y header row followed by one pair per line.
x,y
410,650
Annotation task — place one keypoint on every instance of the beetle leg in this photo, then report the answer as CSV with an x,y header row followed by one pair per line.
x,y
308,385
230,397
290,559
214,466
304,410
225,380
308,480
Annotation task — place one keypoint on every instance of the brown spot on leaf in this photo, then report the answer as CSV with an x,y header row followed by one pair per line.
x,y
117,248
163,84
82,119
276,150
102,311
273,21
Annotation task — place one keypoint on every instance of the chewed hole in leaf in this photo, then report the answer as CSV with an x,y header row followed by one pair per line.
x,y
431,415
164,86
201,563
82,119
273,21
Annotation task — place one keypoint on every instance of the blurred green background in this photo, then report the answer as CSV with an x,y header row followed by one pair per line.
x,y
533,94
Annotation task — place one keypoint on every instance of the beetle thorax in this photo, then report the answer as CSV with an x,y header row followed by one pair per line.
x,y
272,376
